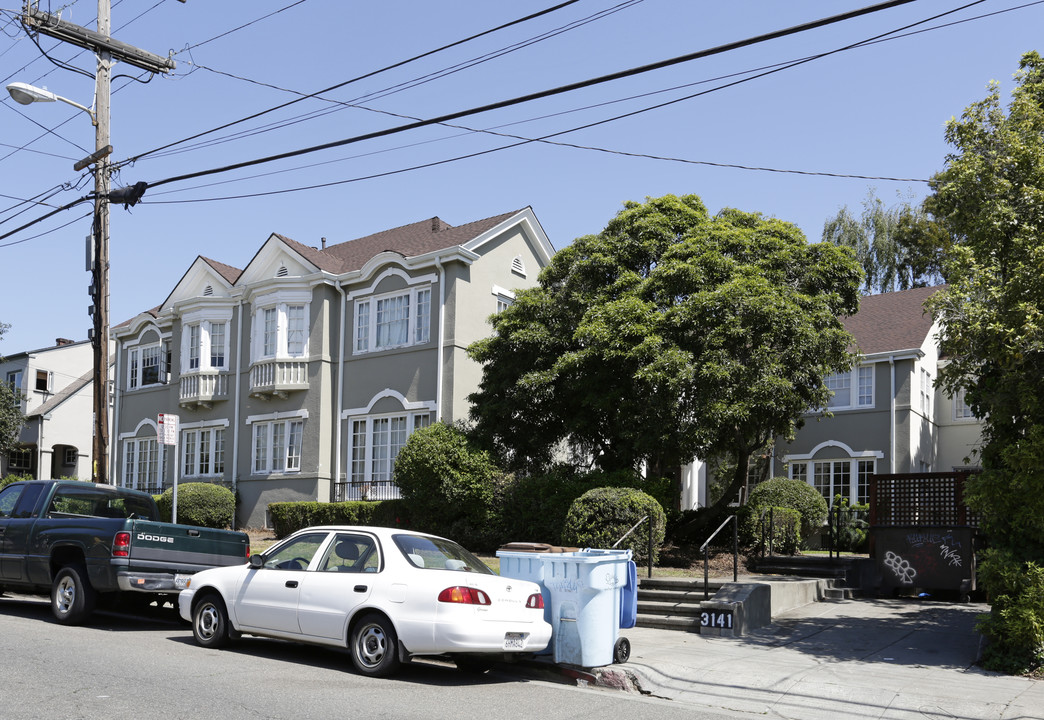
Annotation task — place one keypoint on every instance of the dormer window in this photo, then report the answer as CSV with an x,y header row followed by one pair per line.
x,y
281,326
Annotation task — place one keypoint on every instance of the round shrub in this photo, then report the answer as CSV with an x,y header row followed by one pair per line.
x,y
448,486
781,531
199,504
787,493
600,517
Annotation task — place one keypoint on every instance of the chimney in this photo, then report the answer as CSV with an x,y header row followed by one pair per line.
x,y
62,341
323,241
436,224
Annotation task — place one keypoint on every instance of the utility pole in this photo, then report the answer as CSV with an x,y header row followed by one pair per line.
x,y
106,49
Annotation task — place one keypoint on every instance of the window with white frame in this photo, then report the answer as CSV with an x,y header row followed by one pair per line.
x,y
139,463
383,322
203,345
849,478
926,392
281,329
504,298
961,409
146,365
377,440
853,389
277,446
203,452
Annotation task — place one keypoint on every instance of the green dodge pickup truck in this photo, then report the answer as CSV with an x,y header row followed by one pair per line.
x,y
81,542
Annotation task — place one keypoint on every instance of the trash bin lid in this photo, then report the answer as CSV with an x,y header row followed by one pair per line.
x,y
526,547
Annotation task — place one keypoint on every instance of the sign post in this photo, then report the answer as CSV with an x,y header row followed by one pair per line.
x,y
168,435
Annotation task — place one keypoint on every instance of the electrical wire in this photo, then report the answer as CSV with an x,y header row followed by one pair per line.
x,y
546,93
356,79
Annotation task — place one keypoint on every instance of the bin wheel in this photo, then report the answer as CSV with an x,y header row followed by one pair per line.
x,y
621,650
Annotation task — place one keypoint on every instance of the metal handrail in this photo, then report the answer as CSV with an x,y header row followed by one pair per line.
x,y
633,528
735,554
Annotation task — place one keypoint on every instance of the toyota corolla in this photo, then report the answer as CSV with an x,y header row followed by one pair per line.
x,y
386,594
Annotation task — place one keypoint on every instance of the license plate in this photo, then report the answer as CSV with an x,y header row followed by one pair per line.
x,y
181,581
514,641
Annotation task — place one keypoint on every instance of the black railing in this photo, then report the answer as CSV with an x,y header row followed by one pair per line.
x,y
735,554
383,490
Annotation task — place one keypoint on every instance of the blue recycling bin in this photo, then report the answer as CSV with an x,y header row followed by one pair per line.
x,y
521,561
588,593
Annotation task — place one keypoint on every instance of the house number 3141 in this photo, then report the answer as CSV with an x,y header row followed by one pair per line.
x,y
716,619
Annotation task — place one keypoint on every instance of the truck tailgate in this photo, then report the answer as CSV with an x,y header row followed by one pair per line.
x,y
185,548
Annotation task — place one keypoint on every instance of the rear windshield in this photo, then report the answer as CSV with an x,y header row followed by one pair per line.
x,y
87,501
439,554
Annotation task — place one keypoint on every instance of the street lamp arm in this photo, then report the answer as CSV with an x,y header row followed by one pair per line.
x,y
26,94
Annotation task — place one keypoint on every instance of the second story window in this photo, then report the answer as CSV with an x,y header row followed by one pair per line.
x,y
280,330
850,390
145,366
393,320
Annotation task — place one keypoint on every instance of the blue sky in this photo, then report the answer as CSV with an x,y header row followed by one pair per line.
x,y
876,111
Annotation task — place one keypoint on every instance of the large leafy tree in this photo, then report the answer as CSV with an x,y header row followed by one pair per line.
x,y
11,418
669,335
990,200
898,247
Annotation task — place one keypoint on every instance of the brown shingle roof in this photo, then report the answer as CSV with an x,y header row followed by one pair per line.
x,y
409,240
228,272
891,322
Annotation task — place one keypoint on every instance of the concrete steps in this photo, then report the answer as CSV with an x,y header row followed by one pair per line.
x,y
729,608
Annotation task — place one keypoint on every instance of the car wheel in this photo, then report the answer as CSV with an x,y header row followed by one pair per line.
x,y
210,622
72,597
374,646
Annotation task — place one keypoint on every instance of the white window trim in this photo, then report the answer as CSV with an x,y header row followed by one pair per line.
x,y
853,377
205,323
279,302
267,426
959,400
505,297
135,366
415,323
198,429
411,417
134,480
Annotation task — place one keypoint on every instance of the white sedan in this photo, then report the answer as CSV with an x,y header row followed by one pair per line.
x,y
387,594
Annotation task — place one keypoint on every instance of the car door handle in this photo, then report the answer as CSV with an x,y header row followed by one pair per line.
x,y
291,583
360,588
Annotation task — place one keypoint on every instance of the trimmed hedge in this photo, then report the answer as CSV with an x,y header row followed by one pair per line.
x,y
782,526
199,504
600,517
289,517
786,493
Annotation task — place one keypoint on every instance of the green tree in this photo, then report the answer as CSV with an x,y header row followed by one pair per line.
x,y
990,200
669,335
897,247
11,417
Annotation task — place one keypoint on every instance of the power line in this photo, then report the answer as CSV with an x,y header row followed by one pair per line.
x,y
358,78
546,93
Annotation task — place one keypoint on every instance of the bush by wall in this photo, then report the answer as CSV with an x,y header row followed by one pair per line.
x,y
199,504
449,486
779,525
8,479
600,517
289,517
1013,627
786,493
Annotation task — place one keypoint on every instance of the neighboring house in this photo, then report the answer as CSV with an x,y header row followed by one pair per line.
x,y
57,393
301,376
887,414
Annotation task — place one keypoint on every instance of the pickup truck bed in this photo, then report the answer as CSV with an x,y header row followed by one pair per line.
x,y
79,541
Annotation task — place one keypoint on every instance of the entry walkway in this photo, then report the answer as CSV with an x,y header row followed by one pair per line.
x,y
898,659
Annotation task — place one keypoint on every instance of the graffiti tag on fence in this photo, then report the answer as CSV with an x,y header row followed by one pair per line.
x,y
902,569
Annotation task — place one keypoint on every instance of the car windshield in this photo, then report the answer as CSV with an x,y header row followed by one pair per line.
x,y
439,553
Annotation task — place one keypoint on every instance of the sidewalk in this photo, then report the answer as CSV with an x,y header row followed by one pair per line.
x,y
869,658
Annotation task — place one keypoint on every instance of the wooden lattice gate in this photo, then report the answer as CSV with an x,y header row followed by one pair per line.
x,y
922,534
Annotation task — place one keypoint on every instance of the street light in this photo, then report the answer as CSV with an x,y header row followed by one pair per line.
x,y
26,94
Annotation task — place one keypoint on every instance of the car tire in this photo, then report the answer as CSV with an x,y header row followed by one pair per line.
x,y
374,646
210,626
72,597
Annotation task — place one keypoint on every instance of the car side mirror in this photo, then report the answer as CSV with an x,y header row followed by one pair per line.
x,y
257,562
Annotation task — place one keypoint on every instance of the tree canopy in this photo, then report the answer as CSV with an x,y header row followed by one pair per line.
x,y
990,200
898,247
11,418
669,335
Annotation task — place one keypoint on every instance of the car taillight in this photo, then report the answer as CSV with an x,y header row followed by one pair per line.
x,y
121,545
463,595
535,601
